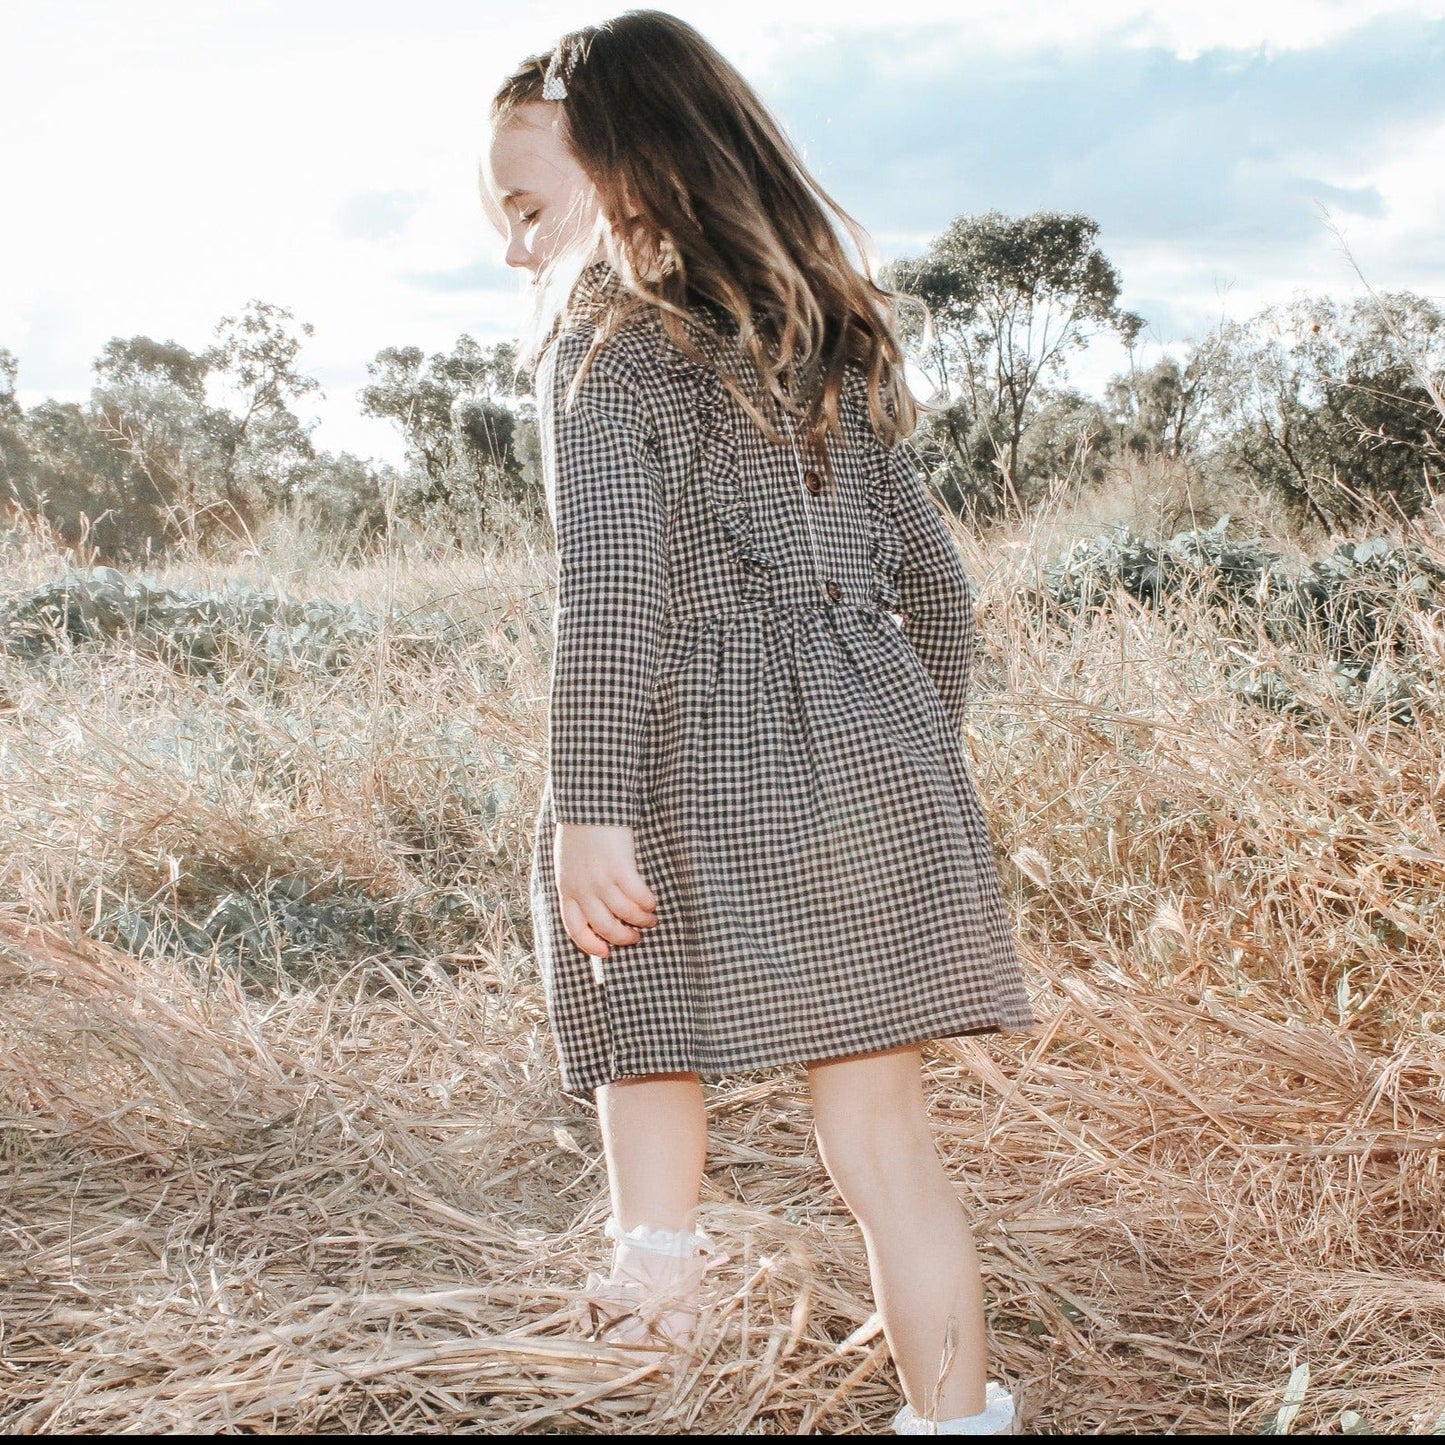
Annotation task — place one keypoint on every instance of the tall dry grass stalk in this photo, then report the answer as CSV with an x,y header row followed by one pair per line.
x,y
255,1188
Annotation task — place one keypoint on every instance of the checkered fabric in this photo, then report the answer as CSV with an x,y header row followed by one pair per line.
x,y
763,673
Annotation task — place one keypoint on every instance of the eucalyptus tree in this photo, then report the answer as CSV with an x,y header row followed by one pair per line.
x,y
1007,300
468,435
13,451
210,435
1161,410
1332,405
263,441
9,376
148,404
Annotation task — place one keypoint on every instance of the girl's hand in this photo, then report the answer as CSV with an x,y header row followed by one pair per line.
x,y
604,900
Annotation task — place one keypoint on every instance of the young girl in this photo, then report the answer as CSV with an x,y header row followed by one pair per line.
x,y
758,843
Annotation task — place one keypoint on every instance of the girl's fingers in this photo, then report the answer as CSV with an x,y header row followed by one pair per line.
x,y
581,932
614,930
592,923
640,893
627,908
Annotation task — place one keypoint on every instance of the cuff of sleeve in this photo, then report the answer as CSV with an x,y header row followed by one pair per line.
x,y
594,820
594,812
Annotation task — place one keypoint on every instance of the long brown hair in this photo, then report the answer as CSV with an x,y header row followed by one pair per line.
x,y
711,215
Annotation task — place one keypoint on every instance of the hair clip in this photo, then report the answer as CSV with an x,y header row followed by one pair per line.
x,y
553,87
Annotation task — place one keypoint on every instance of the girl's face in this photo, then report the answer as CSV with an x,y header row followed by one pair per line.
x,y
535,194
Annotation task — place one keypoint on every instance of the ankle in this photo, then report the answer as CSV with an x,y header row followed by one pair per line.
x,y
682,1244
651,1295
996,1418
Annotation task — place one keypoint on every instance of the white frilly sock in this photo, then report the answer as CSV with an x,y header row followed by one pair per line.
x,y
996,1418
670,1243
651,1294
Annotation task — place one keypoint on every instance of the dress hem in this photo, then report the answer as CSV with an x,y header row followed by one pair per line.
x,y
586,1085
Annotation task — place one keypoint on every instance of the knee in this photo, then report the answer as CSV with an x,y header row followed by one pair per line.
x,y
879,1163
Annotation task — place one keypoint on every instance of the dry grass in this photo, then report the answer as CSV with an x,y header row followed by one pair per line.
x,y
1155,499
340,1190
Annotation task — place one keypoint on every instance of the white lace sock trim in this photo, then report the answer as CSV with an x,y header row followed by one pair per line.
x,y
996,1418
651,1295
673,1243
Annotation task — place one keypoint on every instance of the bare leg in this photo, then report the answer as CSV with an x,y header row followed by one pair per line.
x,y
877,1145
654,1134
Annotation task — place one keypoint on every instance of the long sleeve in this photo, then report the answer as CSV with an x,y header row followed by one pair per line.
x,y
605,495
934,589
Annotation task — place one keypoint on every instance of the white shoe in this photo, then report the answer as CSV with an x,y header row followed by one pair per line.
x,y
996,1418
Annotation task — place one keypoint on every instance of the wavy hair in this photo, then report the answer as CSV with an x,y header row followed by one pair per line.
x,y
711,217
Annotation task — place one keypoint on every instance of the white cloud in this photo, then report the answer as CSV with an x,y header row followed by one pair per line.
x,y
1401,247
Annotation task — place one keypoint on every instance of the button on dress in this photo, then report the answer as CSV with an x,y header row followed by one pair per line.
x,y
764,676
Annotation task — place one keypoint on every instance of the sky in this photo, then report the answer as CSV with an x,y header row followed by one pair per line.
x,y
165,161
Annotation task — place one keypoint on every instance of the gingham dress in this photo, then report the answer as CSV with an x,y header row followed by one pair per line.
x,y
763,674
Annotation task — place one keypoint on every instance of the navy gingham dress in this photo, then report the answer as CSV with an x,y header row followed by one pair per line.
x,y
763,674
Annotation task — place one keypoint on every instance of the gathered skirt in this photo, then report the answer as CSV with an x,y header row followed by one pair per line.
x,y
825,881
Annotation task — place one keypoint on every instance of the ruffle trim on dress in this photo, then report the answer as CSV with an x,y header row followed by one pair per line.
x,y
718,459
719,417
885,552
885,541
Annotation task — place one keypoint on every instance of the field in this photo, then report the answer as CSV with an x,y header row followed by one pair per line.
x,y
282,1139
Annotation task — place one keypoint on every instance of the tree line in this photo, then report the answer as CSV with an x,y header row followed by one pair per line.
x,y
189,447
1334,408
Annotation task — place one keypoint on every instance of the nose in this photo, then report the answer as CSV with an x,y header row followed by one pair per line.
x,y
518,255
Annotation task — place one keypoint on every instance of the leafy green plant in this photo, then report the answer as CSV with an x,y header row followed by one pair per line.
x,y
1337,617
202,633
